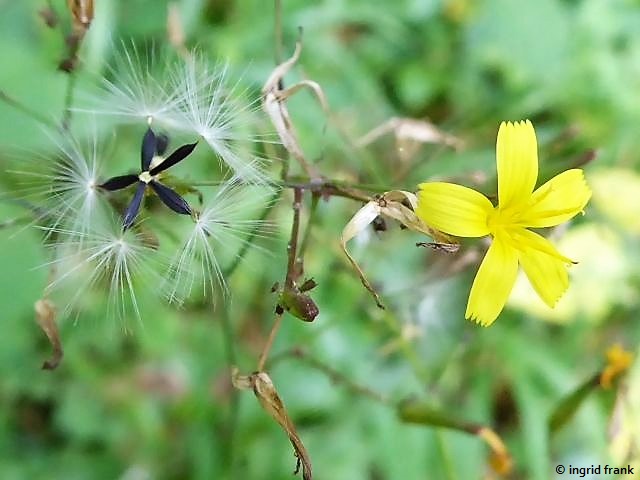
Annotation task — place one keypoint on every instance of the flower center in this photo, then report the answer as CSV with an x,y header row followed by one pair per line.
x,y
145,177
502,219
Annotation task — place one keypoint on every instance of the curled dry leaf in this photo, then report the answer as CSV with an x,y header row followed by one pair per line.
x,y
409,134
46,318
273,103
398,205
267,395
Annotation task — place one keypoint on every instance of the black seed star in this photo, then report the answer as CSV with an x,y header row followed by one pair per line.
x,y
153,146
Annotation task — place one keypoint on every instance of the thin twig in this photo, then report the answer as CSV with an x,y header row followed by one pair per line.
x,y
267,346
248,242
68,100
254,232
334,375
278,31
292,247
12,102
312,218
327,188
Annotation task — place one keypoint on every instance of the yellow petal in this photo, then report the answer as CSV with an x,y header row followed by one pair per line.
x,y
523,239
453,209
493,283
517,158
558,200
547,274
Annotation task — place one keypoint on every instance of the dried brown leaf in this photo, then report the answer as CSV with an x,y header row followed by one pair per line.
x,y
393,205
357,224
274,104
409,133
81,13
46,318
267,395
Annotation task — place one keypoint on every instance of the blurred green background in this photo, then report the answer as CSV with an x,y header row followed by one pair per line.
x,y
156,402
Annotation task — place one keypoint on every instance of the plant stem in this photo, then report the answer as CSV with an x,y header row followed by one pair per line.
x,y
278,31
25,110
263,216
68,100
312,218
292,246
267,347
248,242
331,188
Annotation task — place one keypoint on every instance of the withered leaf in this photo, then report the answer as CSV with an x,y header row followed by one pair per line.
x,y
392,204
274,104
410,133
82,13
267,395
46,318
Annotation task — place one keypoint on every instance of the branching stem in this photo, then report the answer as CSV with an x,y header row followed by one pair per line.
x,y
326,188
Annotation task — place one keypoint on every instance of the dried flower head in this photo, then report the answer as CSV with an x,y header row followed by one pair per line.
x,y
183,94
152,164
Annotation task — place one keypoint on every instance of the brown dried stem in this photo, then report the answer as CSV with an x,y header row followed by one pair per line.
x,y
267,346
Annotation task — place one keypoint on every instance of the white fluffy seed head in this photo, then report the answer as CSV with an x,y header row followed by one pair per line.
x,y
222,113
135,87
188,95
103,262
60,187
229,218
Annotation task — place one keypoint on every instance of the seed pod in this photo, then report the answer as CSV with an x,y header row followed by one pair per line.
x,y
300,305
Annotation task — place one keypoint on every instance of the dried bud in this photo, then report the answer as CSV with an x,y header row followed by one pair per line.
x,y
300,305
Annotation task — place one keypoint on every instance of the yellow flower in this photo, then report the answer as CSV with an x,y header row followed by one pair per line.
x,y
463,212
